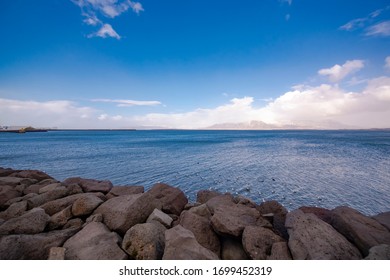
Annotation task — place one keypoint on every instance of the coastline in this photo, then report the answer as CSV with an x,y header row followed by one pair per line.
x,y
90,219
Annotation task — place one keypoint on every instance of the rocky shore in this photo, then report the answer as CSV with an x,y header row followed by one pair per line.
x,y
42,218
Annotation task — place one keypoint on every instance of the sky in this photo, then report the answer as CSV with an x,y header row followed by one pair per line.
x,y
193,64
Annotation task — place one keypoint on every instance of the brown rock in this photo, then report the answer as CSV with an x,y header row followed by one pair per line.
x,y
383,219
231,249
313,239
168,199
15,181
85,205
19,199
34,188
321,213
34,221
5,172
32,174
74,223
90,185
94,242
145,241
361,230
279,216
221,200
160,217
43,198
279,251
7,193
14,210
60,219
379,252
258,241
48,188
181,244
57,253
203,196
124,190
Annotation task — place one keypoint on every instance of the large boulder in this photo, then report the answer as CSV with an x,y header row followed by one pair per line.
x,y
279,251
15,181
48,188
231,249
32,174
321,213
122,212
145,241
34,221
361,230
90,185
278,212
32,247
169,199
94,242
383,218
203,196
43,198
14,210
258,241
181,244
6,193
60,219
220,200
124,190
379,252
85,205
34,188
313,239
160,217
201,227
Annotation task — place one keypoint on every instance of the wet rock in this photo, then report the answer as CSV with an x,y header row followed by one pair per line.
x,y
231,249
124,190
122,212
85,205
313,239
258,241
57,253
379,252
160,217
90,185
32,247
383,219
278,212
60,219
280,251
94,242
145,241
181,244
203,196
361,230
34,221
14,210
168,199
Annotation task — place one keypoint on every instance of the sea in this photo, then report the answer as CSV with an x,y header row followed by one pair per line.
x,y
297,168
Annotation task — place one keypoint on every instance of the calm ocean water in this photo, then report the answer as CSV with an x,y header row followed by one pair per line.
x,y
319,168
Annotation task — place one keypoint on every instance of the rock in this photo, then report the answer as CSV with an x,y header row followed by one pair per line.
x,y
379,252
15,181
168,199
48,188
279,216
56,253
90,185
384,219
231,249
181,244
60,219
232,219
245,201
201,227
160,217
94,242
34,221
32,174
57,205
258,241
85,205
203,196
280,251
7,193
14,210
4,172
43,198
122,212
124,190
145,241
95,218
321,213
361,230
221,200
32,247
34,188
74,223
19,199
313,239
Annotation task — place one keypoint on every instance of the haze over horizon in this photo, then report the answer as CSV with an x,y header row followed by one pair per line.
x,y
195,64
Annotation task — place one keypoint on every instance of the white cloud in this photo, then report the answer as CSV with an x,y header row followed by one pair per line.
x,y
337,72
137,7
380,29
286,1
128,103
354,24
387,62
106,31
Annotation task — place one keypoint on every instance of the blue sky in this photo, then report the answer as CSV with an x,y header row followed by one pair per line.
x,y
193,64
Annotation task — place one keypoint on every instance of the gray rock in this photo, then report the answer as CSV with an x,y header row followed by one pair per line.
x,y
57,253
160,217
203,196
181,244
280,251
124,190
169,199
231,249
7,193
122,212
379,252
19,199
313,239
361,230
34,188
85,205
34,221
43,198
95,218
32,247
201,227
145,241
74,223
32,174
321,213
48,188
15,181
90,185
221,200
258,241
384,219
14,210
60,219
94,242
279,215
